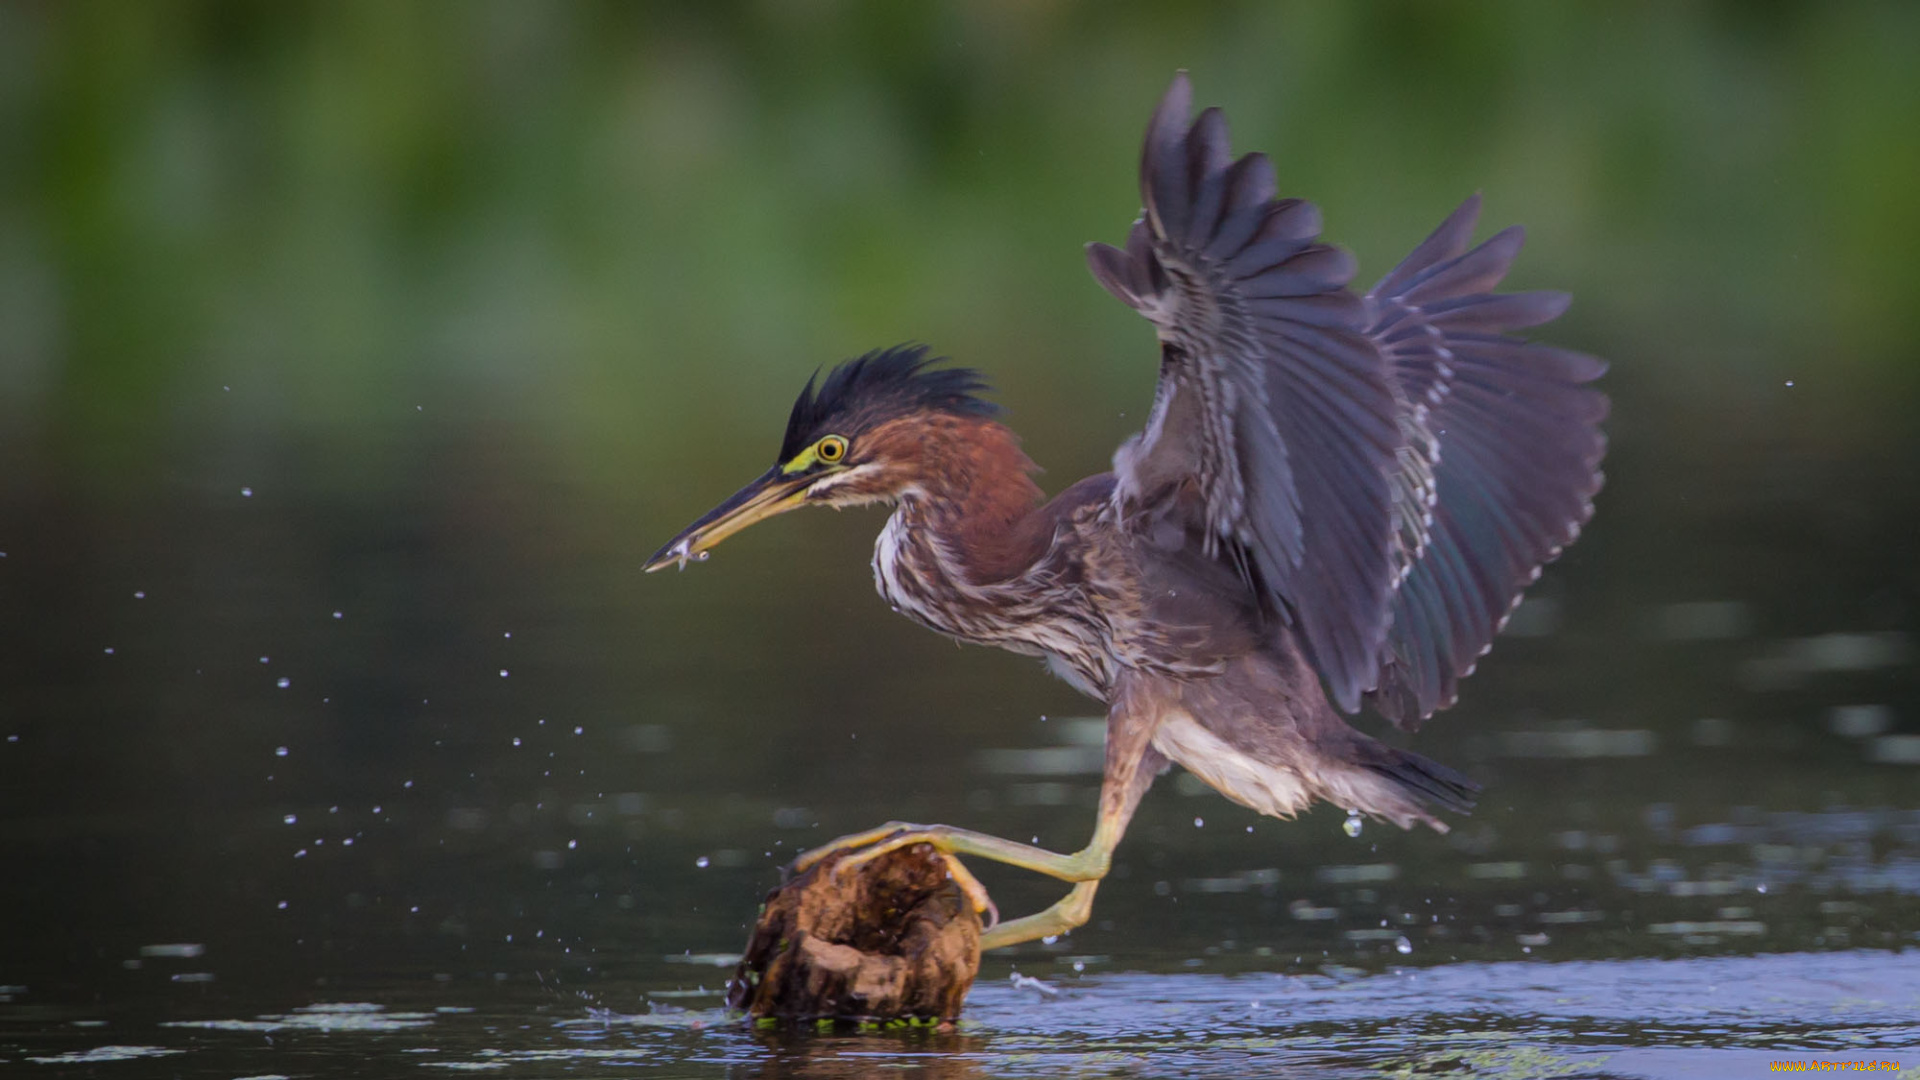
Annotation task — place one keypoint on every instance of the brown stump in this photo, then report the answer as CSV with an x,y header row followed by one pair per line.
x,y
894,939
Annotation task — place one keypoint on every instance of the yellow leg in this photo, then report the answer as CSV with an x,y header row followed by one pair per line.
x,y
1072,910
1088,864
1131,765
1084,868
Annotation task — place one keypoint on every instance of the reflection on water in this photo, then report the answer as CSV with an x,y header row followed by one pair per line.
x,y
1622,1018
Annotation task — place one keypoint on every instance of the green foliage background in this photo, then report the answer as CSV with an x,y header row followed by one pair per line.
x,y
626,232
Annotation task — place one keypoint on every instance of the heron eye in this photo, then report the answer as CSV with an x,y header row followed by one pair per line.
x,y
831,449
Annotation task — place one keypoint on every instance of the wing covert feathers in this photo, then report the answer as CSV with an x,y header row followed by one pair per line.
x,y
1389,472
1272,400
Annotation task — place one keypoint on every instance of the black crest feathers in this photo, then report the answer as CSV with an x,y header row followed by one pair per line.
x,y
883,384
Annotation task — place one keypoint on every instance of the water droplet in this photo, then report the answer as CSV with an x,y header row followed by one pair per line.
x,y
283,682
516,740
264,659
1403,946
1763,887
279,751
503,673
507,634
139,594
573,845
337,615
290,819
701,862
579,730
1352,825
246,493
1199,823
283,905
109,650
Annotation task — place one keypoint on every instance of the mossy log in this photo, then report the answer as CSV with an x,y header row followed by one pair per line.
x,y
892,939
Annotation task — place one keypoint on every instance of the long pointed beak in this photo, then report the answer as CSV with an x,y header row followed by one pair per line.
x,y
773,493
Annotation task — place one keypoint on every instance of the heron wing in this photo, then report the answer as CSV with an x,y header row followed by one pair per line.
x,y
1274,424
1500,462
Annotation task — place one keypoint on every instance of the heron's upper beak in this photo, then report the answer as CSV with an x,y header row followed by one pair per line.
x,y
773,493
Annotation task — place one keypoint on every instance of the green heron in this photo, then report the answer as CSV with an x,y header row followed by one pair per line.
x,y
1336,499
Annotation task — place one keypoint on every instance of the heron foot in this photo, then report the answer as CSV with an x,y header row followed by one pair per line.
x,y
970,887
891,837
1084,868
1088,864
1072,910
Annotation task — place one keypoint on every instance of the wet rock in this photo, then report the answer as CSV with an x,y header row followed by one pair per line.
x,y
892,939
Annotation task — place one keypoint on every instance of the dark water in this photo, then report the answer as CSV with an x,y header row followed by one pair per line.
x,y
350,363
514,805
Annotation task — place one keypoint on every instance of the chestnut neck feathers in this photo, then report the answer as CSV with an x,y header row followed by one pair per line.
x,y
967,482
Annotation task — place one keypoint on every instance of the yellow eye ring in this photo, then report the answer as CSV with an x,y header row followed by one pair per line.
x,y
830,449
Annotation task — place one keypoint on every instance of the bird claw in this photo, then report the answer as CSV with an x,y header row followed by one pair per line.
x,y
970,887
862,848
806,860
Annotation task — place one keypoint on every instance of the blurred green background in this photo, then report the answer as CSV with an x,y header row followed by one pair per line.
x,y
353,355
629,230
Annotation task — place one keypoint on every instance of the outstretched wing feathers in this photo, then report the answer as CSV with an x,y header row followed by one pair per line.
x,y
1391,471
1297,431
1517,447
